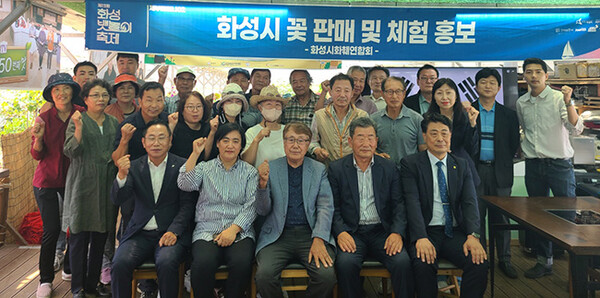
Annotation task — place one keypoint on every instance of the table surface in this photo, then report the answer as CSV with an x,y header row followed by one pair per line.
x,y
531,212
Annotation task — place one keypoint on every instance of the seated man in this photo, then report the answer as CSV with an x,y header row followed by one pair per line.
x,y
298,205
370,217
443,218
159,229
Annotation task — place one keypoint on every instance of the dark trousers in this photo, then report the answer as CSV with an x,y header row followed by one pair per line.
x,y
489,187
48,203
207,256
293,246
370,240
541,176
143,247
86,267
474,278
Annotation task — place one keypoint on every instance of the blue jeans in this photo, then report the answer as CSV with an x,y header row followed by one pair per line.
x,y
541,176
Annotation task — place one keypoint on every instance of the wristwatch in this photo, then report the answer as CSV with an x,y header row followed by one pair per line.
x,y
571,103
475,235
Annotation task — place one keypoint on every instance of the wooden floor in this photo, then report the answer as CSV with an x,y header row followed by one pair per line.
x,y
19,277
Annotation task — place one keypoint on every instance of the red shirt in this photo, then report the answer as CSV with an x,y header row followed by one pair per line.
x,y
51,172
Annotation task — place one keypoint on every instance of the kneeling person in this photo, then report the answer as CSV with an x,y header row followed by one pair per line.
x,y
370,217
295,197
159,228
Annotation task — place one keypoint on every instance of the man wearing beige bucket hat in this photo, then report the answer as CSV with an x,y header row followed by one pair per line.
x,y
265,140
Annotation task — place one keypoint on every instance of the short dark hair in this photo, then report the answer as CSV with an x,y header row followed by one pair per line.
x,y
156,122
151,86
535,61
205,109
297,127
457,108
304,71
486,72
363,122
85,90
260,69
427,66
393,78
435,118
374,68
228,127
341,77
84,63
129,55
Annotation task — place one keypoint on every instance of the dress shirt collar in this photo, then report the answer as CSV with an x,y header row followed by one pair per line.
x,y
357,167
399,115
542,95
421,98
221,165
482,109
433,159
162,163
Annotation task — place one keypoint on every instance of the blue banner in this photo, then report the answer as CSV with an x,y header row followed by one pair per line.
x,y
340,32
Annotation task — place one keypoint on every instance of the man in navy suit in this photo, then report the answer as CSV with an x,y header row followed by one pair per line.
x,y
159,229
443,218
295,197
369,218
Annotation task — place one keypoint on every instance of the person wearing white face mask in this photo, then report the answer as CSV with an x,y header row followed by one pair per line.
x,y
229,110
267,136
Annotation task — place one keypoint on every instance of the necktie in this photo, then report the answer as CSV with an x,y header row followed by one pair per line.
x,y
445,203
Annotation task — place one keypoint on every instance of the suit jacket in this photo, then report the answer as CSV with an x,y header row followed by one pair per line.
x,y
506,142
417,189
413,103
387,191
174,208
272,202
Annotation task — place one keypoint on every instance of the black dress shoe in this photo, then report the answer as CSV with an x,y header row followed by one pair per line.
x,y
103,290
79,294
538,271
508,269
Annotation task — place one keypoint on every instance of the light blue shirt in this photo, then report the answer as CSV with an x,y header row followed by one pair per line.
x,y
171,104
226,197
438,218
486,152
368,210
423,104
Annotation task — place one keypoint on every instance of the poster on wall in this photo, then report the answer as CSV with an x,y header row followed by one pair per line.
x,y
30,49
341,32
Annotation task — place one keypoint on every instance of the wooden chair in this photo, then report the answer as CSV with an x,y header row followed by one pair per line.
x,y
148,271
376,269
453,272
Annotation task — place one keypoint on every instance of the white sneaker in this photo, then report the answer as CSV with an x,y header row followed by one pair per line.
x,y
66,276
44,290
59,258
187,282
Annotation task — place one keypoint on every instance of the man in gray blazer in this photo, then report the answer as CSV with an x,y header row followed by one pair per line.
x,y
297,204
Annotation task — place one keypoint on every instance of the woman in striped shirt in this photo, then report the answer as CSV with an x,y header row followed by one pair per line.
x,y
225,212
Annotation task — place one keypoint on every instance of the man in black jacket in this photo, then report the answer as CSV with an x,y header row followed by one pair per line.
x,y
499,140
427,75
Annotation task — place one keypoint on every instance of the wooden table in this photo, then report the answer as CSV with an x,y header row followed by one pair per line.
x,y
581,241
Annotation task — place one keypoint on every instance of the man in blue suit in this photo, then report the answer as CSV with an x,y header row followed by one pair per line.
x,y
369,218
295,197
159,229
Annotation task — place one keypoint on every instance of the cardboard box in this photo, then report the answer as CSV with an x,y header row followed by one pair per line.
x,y
566,70
582,71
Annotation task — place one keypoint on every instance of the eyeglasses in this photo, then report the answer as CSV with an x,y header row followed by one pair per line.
x,y
428,78
301,142
392,92
194,108
161,139
98,95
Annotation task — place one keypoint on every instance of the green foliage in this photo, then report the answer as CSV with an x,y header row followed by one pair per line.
x,y
18,109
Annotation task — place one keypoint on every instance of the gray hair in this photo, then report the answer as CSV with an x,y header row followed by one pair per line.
x,y
356,68
363,122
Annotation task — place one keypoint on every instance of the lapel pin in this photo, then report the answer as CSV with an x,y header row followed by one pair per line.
x,y
454,167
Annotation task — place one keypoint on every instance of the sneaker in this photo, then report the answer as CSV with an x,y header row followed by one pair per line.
x,y
44,290
79,294
103,290
187,282
58,260
66,276
538,271
148,295
508,269
105,276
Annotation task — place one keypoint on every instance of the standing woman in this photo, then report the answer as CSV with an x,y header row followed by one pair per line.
x,y
89,213
225,213
125,89
48,136
229,110
465,136
190,122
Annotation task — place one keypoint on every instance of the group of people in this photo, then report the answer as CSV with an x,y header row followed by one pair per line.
x,y
325,182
